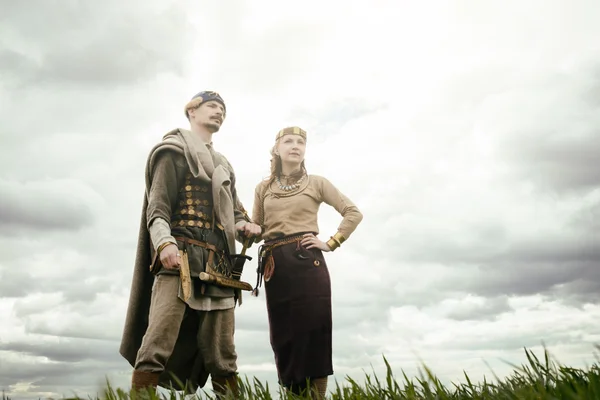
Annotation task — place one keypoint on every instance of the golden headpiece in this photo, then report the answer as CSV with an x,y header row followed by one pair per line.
x,y
291,130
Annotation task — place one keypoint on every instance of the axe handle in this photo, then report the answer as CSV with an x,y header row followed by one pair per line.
x,y
224,281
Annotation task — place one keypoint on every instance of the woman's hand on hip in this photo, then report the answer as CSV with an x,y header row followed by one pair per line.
x,y
310,241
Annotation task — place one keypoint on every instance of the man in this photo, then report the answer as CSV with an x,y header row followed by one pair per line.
x,y
177,325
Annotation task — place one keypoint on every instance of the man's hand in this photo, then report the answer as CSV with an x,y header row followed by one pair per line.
x,y
170,257
250,229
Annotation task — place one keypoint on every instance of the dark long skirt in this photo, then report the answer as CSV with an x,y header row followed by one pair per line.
x,y
299,310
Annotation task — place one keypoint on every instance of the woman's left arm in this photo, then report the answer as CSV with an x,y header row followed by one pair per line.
x,y
351,215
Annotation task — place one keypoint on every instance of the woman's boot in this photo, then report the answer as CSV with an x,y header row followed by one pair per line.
x,y
319,387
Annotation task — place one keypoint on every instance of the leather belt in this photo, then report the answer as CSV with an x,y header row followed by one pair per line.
x,y
197,243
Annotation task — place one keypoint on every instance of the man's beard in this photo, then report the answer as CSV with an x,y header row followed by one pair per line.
x,y
212,127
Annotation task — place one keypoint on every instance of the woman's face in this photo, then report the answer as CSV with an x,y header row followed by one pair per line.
x,y
291,149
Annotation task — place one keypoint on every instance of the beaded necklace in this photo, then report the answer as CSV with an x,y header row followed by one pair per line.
x,y
289,188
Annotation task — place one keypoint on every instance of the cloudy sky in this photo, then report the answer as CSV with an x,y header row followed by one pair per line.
x,y
467,132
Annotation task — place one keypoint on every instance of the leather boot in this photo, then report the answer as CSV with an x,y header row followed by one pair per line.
x,y
223,384
144,380
319,387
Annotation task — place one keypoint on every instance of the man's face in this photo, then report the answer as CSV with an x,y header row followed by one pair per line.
x,y
209,115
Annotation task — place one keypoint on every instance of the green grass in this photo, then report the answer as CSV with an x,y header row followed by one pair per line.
x,y
538,379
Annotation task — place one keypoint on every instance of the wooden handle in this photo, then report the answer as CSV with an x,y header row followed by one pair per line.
x,y
221,281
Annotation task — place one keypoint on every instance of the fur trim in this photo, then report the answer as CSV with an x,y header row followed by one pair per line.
x,y
192,104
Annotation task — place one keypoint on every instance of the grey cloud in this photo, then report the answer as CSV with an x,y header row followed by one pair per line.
x,y
555,141
82,292
329,120
519,277
591,94
49,270
365,309
25,308
346,351
372,313
506,252
295,42
577,247
15,65
473,88
82,326
67,350
535,272
252,315
422,296
13,372
253,347
491,308
39,206
83,331
92,43
544,125
579,291
64,378
587,218
567,163
490,258
14,282
516,341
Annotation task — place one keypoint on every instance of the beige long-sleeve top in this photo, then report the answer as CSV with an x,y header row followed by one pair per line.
x,y
282,213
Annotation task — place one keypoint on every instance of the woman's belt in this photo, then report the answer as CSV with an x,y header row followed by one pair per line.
x,y
271,244
266,269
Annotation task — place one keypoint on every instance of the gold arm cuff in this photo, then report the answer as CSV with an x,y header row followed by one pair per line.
x,y
336,241
332,244
339,238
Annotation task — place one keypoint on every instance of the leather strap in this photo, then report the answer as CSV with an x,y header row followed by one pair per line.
x,y
197,243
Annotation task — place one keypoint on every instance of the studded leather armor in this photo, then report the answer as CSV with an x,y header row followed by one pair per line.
x,y
195,204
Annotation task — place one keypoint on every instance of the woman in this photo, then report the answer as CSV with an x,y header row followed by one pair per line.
x,y
297,284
